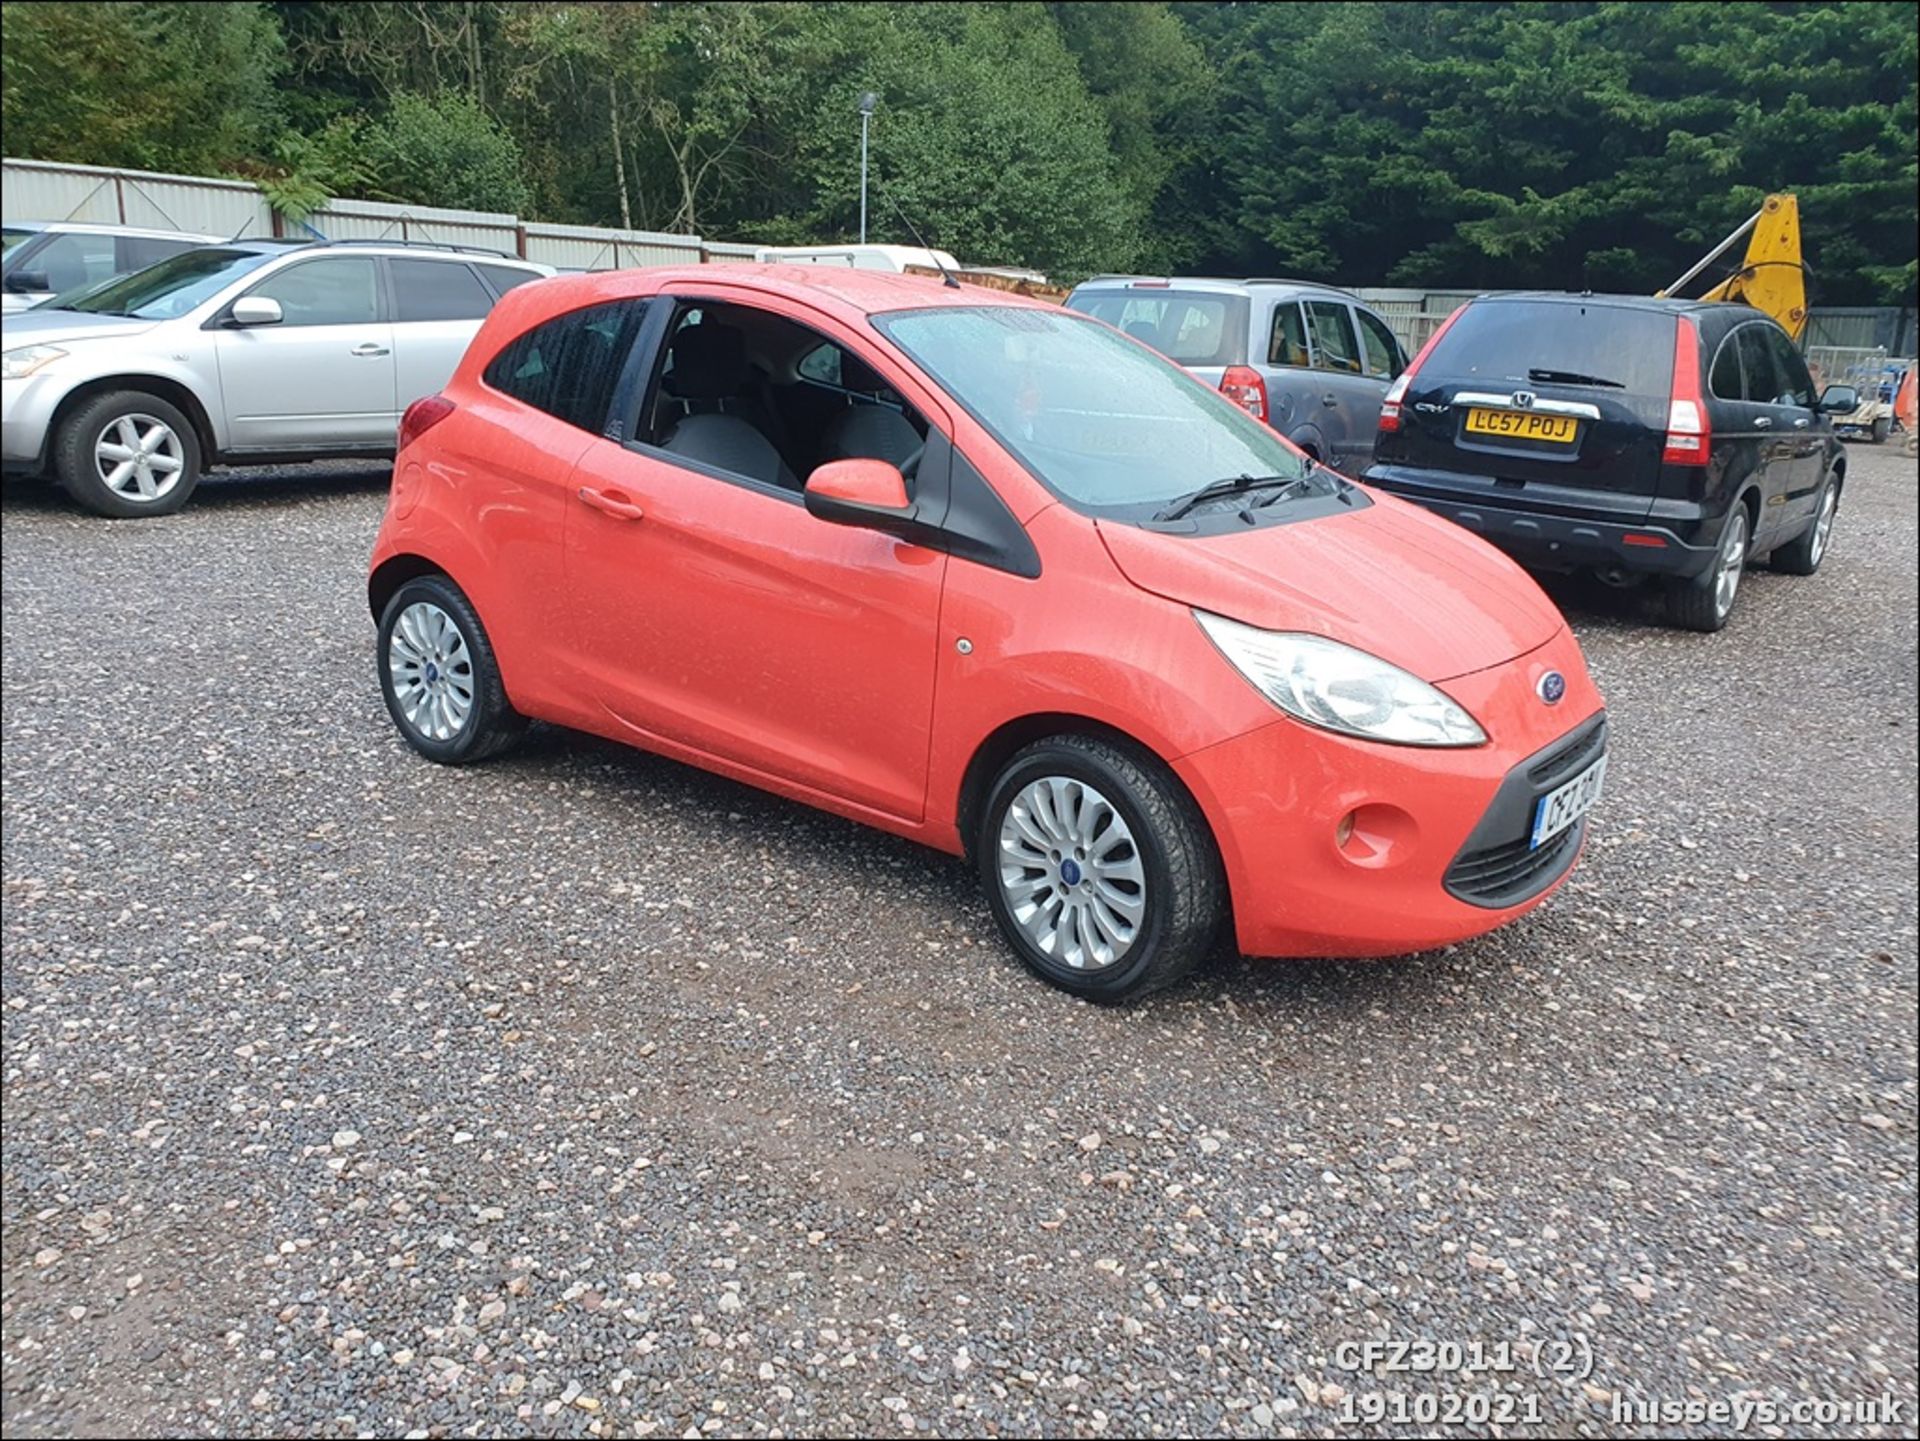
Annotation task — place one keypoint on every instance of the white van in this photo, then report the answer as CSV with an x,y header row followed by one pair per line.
x,y
857,257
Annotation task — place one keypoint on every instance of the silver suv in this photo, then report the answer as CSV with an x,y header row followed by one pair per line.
x,y
45,257
1310,360
236,354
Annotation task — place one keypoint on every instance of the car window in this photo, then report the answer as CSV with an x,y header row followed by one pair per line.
x,y
569,366
505,277
822,365
1790,371
1107,425
1725,379
173,287
1377,345
342,290
1622,349
1756,357
437,290
71,261
1334,347
1192,327
137,252
1288,344
10,238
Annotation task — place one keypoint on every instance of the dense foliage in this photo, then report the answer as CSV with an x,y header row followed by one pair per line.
x,y
1383,143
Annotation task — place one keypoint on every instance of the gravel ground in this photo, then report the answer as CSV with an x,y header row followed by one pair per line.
x,y
583,1093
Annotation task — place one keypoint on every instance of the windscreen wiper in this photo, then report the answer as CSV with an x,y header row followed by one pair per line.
x,y
1221,489
1573,377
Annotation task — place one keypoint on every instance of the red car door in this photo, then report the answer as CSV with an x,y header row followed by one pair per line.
x,y
713,613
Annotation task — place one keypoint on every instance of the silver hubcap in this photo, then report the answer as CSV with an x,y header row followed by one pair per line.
x,y
1823,527
1071,874
431,671
139,457
1733,559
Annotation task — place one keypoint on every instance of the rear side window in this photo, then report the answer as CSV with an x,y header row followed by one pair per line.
x,y
1288,345
1514,342
1377,346
1725,380
1334,346
437,290
1192,327
1756,357
569,366
504,277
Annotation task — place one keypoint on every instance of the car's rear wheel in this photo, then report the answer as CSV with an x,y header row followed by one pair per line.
x,y
438,674
1882,428
1703,602
1099,868
126,454
1803,554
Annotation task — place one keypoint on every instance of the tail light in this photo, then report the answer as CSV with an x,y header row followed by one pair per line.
x,y
1397,392
425,413
1244,387
1689,432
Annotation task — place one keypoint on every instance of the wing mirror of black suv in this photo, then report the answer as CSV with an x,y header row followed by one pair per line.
x,y
1839,400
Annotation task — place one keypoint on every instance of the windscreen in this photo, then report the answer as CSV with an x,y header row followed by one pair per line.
x,y
172,287
14,237
1205,328
1104,424
1562,343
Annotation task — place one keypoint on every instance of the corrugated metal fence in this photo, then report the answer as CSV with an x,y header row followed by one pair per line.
x,y
40,190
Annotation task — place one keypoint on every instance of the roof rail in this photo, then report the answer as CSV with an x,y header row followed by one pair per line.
x,y
423,245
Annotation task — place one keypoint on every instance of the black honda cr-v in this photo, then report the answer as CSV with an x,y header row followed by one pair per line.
x,y
1624,436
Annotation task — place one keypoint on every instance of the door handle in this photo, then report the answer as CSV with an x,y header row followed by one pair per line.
x,y
1329,399
1802,423
612,505
1764,422
369,348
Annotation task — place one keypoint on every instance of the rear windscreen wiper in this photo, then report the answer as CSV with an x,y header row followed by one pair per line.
x,y
1573,377
1221,489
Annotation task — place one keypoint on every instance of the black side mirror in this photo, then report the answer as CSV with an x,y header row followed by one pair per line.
x,y
29,282
1839,400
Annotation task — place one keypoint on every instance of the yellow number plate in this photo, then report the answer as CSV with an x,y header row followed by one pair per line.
x,y
1523,424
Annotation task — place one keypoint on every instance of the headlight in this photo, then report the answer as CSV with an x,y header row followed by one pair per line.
x,y
1338,688
19,364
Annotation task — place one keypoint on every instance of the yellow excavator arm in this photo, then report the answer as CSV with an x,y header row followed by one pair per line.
x,y
1773,277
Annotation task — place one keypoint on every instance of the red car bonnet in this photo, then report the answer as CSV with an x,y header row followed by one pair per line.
x,y
1390,579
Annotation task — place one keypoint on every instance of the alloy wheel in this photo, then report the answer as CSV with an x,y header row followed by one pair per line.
x,y
139,457
1072,874
431,671
1733,560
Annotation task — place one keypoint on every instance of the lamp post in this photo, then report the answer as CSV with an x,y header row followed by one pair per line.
x,y
867,101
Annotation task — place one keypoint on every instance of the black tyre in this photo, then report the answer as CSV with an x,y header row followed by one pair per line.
x,y
1882,428
126,454
1803,554
1703,602
1099,868
439,676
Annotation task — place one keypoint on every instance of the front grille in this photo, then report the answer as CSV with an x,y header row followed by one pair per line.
x,y
1505,875
1496,868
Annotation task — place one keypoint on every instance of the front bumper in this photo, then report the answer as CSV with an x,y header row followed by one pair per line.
x,y
1549,541
26,413
1276,799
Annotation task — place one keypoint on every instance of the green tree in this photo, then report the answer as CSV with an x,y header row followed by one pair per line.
x,y
442,151
188,87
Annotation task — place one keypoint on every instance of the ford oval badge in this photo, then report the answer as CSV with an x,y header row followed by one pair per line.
x,y
1552,686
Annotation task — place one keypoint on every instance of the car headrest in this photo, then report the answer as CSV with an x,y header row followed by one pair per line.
x,y
709,362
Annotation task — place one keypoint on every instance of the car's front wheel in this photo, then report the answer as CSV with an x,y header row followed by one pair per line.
x,y
1099,868
439,676
126,454
1803,554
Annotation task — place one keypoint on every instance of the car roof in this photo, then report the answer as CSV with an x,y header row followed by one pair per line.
x,y
87,227
402,249
1212,282
855,292
1665,304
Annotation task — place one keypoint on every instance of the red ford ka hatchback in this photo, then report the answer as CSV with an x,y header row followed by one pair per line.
x,y
987,574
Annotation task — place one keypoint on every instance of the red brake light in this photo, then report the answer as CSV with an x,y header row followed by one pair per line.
x,y
425,413
1689,432
1244,387
1390,406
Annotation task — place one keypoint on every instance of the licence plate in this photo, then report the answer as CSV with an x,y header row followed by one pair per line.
x,y
1562,806
1522,425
